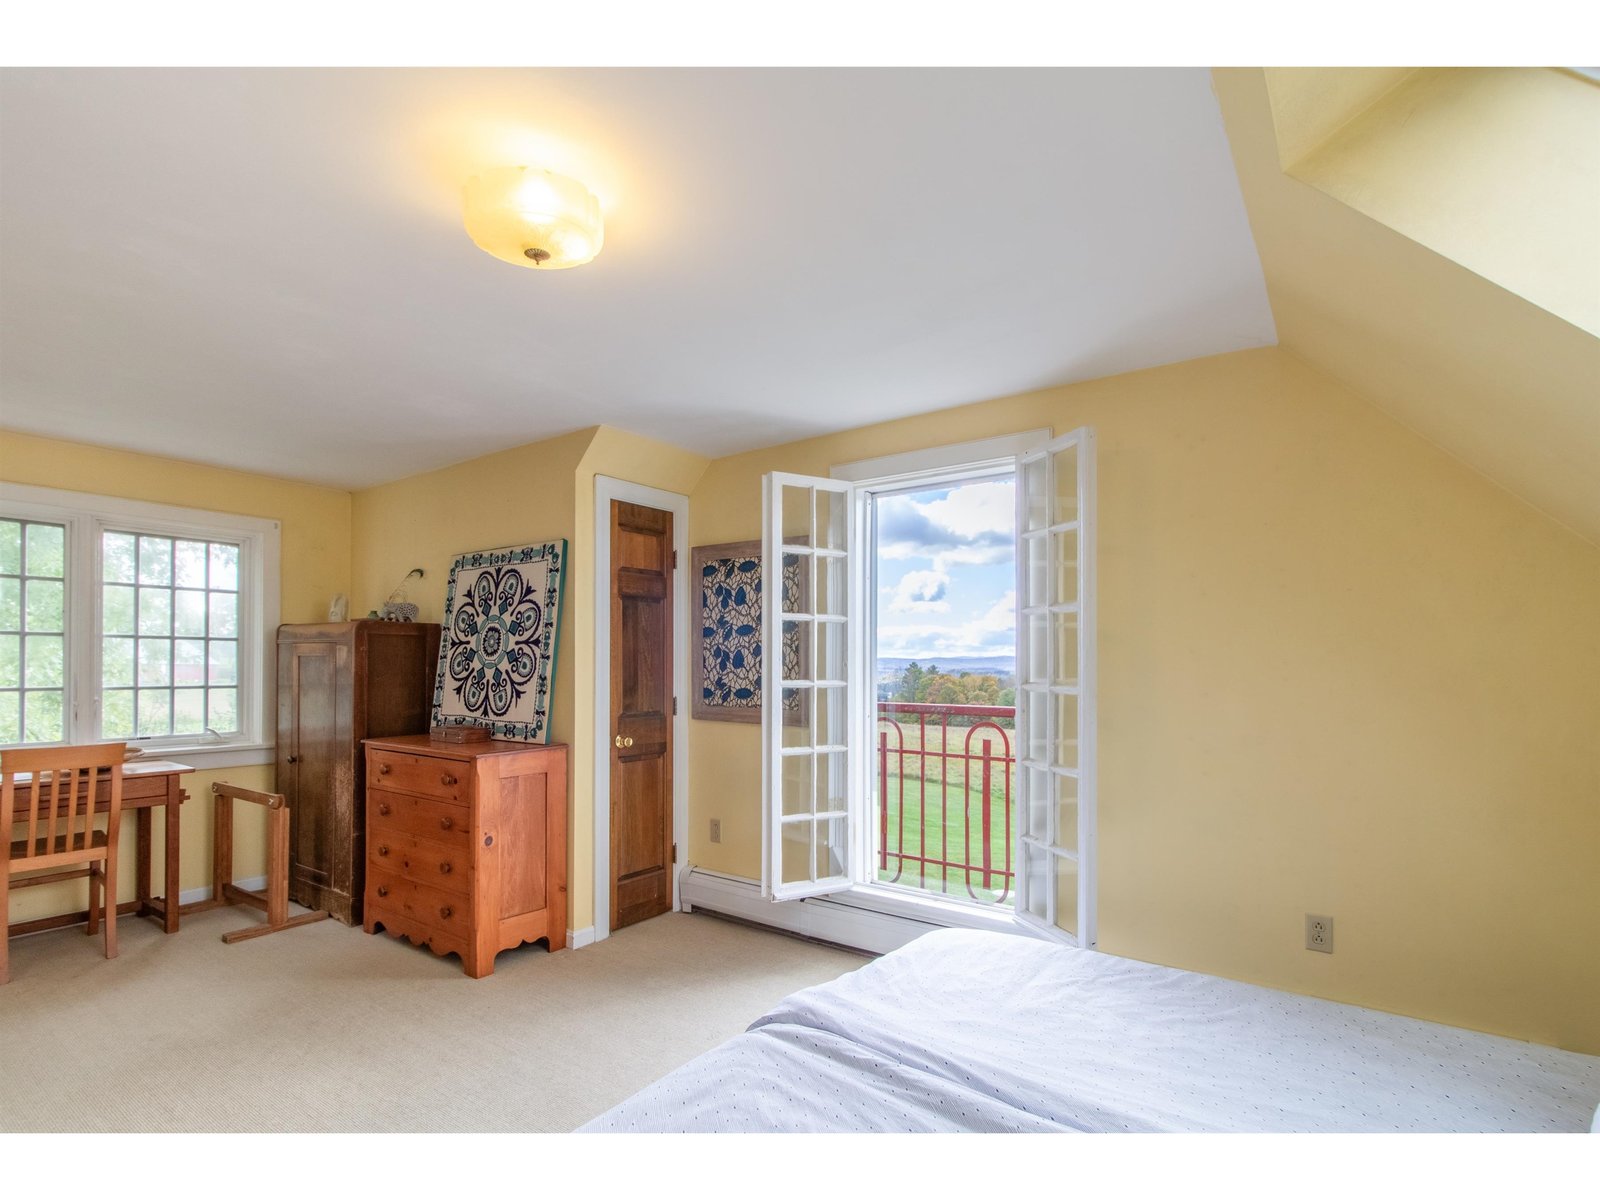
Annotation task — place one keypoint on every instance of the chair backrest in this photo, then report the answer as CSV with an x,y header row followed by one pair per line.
x,y
60,798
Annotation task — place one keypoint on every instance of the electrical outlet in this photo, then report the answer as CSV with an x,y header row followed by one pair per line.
x,y
716,829
1319,933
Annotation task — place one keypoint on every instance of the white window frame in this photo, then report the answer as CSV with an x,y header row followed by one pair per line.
x,y
87,517
914,470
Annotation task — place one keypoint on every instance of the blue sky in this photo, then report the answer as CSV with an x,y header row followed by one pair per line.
x,y
947,572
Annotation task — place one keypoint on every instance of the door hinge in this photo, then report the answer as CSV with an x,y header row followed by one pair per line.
x,y
674,560
674,706
674,852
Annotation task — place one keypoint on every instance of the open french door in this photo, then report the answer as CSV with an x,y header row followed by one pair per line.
x,y
806,692
1055,693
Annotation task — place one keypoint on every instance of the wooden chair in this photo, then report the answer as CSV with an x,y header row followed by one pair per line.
x,y
62,839
275,900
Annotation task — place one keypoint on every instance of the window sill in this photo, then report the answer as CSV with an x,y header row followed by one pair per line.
x,y
208,758
932,910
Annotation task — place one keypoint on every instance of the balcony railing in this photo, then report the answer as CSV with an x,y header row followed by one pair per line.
x,y
945,774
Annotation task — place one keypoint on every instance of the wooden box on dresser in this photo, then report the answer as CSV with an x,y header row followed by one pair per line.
x,y
337,684
467,845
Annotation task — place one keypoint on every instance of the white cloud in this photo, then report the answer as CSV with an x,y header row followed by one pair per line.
x,y
921,591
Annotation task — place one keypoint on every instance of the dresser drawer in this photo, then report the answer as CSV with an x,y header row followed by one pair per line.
x,y
419,902
394,814
446,865
442,778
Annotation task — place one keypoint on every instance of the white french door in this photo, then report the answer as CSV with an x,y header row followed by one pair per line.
x,y
806,694
818,706
1055,692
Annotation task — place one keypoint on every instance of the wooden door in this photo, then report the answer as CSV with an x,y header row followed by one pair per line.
x,y
641,713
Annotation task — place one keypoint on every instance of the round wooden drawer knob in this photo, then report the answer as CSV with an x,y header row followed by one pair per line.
x,y
383,852
448,780
382,891
446,823
444,868
446,912
383,768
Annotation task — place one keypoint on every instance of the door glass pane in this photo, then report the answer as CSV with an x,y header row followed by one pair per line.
x,y
1065,668
1036,663
1035,864
1037,552
832,512
1064,503
794,852
832,717
1037,706
1065,709
1063,877
833,586
796,716
830,641
1036,502
797,650
830,858
1038,786
1064,563
797,784
796,516
831,782
1065,833
796,583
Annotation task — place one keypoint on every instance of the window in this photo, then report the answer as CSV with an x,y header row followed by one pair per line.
x,y
823,758
123,621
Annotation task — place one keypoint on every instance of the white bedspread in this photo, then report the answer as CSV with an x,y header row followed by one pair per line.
x,y
966,1030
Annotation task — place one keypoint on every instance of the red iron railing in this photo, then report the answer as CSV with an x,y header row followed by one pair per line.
x,y
950,766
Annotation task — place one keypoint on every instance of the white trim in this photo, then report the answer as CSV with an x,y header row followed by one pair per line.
x,y
86,516
607,489
893,468
577,939
868,923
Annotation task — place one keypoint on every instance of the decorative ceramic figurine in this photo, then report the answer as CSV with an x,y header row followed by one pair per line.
x,y
396,608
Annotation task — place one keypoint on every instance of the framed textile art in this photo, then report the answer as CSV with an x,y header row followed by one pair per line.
x,y
726,595
497,648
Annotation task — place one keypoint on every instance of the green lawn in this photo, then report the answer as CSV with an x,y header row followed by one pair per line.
x,y
949,807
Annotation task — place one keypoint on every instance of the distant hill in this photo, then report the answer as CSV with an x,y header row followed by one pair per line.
x,y
995,664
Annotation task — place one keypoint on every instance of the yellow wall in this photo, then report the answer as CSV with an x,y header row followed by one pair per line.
x,y
314,539
1496,168
1339,673
1504,385
627,456
511,498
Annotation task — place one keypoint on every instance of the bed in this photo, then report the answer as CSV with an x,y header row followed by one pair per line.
x,y
991,1032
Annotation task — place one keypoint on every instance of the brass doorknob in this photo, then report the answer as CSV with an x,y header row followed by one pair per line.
x,y
623,743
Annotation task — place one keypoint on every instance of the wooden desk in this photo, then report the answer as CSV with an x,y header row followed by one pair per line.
x,y
147,784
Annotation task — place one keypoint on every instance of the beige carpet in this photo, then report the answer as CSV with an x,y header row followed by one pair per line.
x,y
326,1029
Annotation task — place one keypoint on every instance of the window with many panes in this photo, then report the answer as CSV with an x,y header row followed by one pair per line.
x,y
133,622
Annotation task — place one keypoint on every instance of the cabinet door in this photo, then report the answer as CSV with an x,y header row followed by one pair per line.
x,y
314,765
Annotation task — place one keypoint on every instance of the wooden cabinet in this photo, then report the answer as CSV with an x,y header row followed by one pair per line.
x,y
338,684
467,846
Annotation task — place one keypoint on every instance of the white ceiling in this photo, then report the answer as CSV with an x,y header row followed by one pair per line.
x,y
267,268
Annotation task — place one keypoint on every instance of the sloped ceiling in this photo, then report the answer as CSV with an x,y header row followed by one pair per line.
x,y
1510,389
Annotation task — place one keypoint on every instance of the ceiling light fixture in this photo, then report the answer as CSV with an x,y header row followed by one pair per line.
x,y
533,218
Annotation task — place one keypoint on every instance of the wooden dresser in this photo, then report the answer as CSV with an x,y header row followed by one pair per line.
x,y
467,845
338,684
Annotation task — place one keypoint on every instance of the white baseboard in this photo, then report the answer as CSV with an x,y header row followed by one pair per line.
x,y
820,918
194,895
577,939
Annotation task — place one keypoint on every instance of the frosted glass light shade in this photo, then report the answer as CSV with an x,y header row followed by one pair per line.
x,y
533,218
